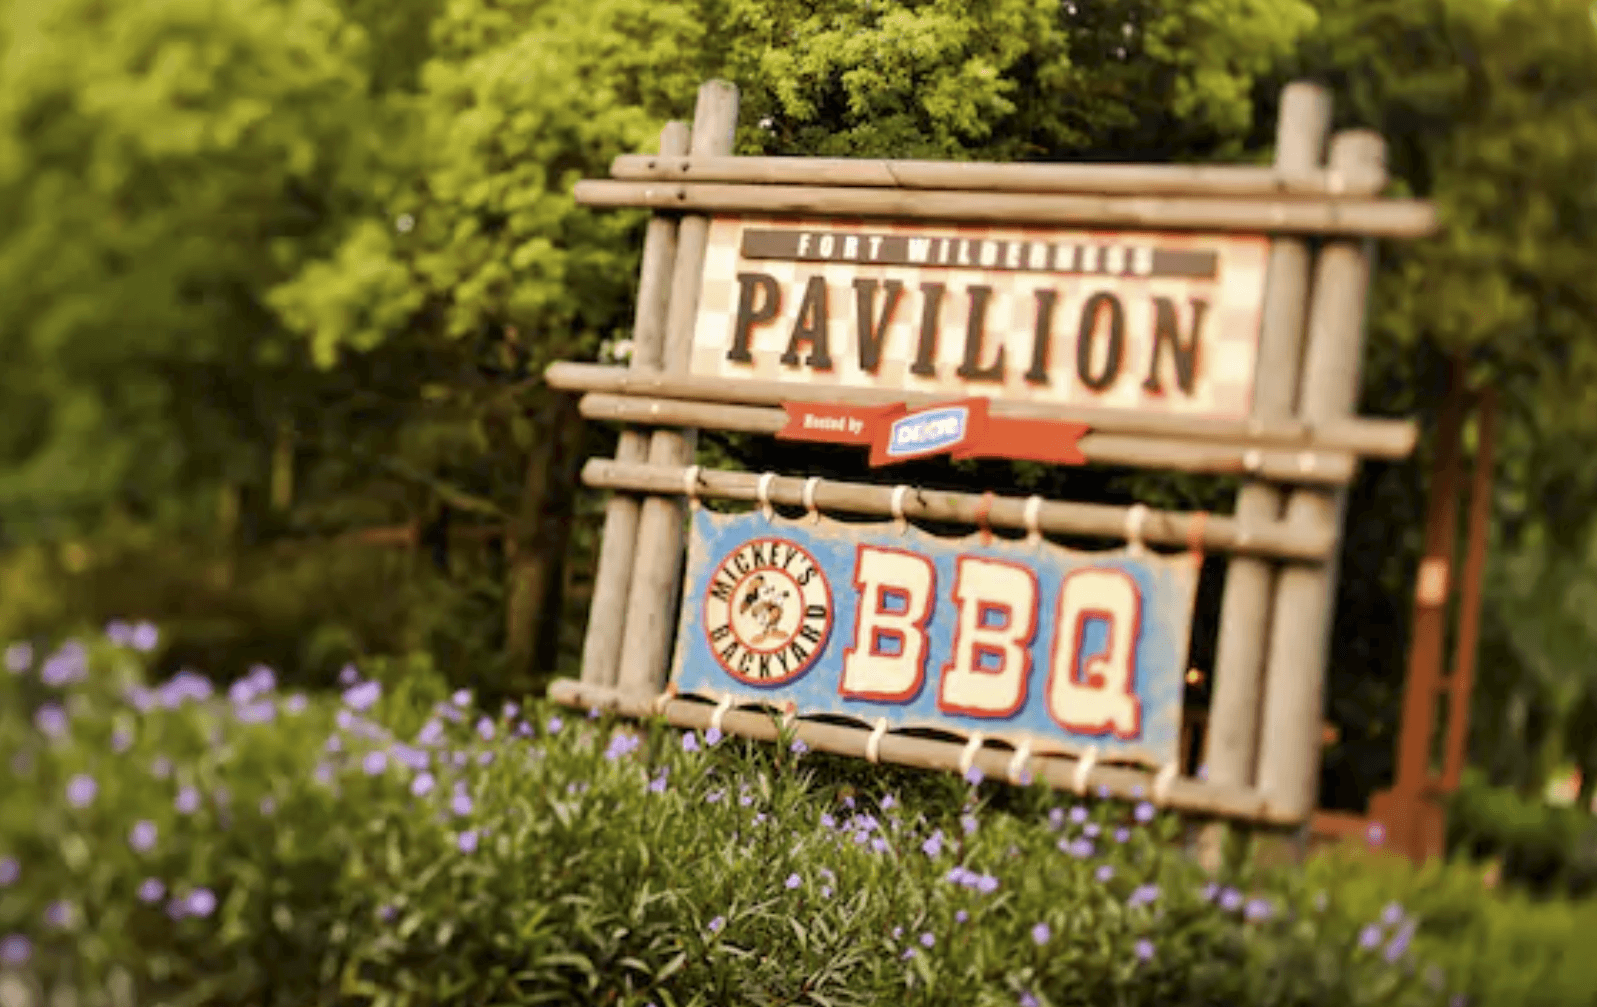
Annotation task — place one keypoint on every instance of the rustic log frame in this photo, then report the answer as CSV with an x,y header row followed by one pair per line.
x,y
1293,198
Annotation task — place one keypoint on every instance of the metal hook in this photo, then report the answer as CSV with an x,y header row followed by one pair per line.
x,y
1084,765
1135,517
1161,782
896,507
809,498
762,494
968,756
664,698
690,485
1017,764
873,744
1031,518
720,711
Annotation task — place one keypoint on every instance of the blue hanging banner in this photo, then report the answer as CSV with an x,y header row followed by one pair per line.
x,y
1023,641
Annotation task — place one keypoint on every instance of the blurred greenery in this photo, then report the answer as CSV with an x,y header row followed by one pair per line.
x,y
275,271
399,844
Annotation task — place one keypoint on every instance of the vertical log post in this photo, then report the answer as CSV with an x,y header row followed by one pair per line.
x,y
1461,682
601,648
1231,735
1297,654
652,596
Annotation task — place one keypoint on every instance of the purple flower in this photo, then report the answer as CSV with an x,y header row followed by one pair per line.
x,y
188,800
1078,814
1041,934
593,713
1122,835
323,773
121,740
908,954
827,821
422,785
485,729
974,776
144,637
986,884
878,845
1145,812
1143,895
1375,835
744,800
714,796
81,790
460,803
363,696
509,710
51,720
60,914
1258,910
1056,818
268,805
898,932
10,870
961,916
690,742
295,704
1081,849
151,890
1209,891
334,744
1144,950
1103,792
1028,1000
1104,873
201,902
927,940
759,817
968,823
374,763
793,881
1400,942
348,675
1230,900
1392,914
262,712
1091,830
1370,936
716,924
888,801
161,767
798,748
622,744
69,664
16,950
712,736
467,841
554,725
19,658
387,912
461,698
933,846
143,836
657,785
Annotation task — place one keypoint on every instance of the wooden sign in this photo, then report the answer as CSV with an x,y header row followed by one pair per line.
x,y
1163,323
1022,641
962,429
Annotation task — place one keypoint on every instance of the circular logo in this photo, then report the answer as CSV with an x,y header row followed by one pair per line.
x,y
767,612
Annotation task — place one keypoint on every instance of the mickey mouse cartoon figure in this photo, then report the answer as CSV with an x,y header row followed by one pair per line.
x,y
764,603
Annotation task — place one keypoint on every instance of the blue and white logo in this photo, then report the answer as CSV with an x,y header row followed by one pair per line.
x,y
928,432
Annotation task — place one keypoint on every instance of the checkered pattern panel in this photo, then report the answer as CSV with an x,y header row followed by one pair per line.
x,y
1226,359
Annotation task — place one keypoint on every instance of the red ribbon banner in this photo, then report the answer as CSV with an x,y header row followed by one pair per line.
x,y
962,429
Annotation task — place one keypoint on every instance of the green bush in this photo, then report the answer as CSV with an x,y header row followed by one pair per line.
x,y
391,846
1542,848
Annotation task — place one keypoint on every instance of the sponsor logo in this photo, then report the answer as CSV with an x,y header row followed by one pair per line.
x,y
928,432
767,612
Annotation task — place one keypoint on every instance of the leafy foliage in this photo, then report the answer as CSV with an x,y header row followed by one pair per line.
x,y
168,845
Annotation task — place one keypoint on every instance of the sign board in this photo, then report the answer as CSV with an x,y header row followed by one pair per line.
x,y
1153,322
896,433
1022,641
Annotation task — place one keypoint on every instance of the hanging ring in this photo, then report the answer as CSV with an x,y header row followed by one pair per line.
x,y
1135,517
664,698
1084,765
968,756
1161,782
720,711
896,507
873,744
984,511
1031,518
1017,763
762,494
809,498
690,485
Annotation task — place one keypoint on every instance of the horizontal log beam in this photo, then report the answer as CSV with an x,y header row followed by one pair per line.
x,y
1184,794
1287,466
1167,528
1098,179
1384,439
1383,218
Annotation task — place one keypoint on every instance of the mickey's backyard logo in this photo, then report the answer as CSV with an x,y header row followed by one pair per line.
x,y
768,612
